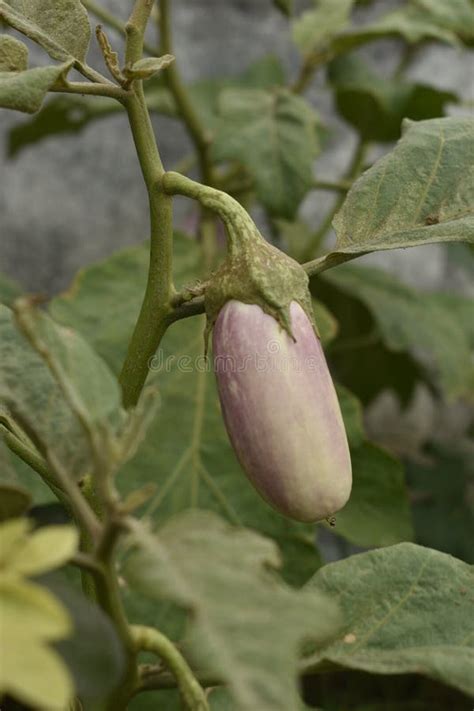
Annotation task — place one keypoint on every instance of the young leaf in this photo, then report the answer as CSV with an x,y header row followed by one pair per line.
x,y
192,562
376,106
421,192
148,67
64,31
25,90
407,609
378,512
273,134
414,322
13,54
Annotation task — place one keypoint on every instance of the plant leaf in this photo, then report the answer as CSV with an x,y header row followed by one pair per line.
x,y
408,610
442,511
415,322
408,23
419,193
32,618
273,134
63,31
93,653
13,54
376,105
25,91
148,67
285,6
378,512
314,29
455,15
30,396
192,562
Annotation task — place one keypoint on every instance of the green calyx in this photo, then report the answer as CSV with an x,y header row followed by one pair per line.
x,y
256,272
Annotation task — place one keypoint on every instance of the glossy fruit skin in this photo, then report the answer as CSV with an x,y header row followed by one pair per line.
x,y
281,410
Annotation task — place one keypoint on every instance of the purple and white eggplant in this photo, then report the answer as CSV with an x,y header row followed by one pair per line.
x,y
281,410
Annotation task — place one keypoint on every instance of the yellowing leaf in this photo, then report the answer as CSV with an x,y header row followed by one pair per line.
x,y
45,549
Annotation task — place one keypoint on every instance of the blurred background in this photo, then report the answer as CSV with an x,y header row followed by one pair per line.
x,y
69,200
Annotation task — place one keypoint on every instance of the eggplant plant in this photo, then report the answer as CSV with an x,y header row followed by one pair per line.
x,y
187,433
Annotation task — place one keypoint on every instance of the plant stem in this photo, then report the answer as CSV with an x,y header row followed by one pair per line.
x,y
152,320
109,19
311,63
150,640
110,90
155,677
355,168
338,186
82,512
197,131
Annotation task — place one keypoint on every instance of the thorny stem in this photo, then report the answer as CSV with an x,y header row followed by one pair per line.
x,y
150,640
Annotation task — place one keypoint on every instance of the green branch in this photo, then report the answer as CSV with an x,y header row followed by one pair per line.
x,y
150,640
152,321
110,90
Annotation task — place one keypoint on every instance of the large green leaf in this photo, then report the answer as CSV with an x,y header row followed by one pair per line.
x,y
378,512
273,134
63,31
375,105
408,609
419,193
192,561
415,322
186,452
25,90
